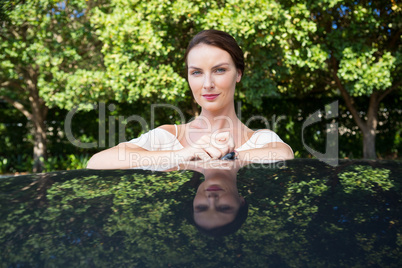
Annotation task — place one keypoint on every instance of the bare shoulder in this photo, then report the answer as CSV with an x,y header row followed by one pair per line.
x,y
126,145
168,128
251,133
263,130
247,133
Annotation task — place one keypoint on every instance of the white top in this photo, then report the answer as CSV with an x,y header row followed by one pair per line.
x,y
162,140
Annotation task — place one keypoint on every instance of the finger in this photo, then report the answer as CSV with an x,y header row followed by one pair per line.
x,y
214,149
203,142
223,136
226,148
231,144
202,155
214,153
220,140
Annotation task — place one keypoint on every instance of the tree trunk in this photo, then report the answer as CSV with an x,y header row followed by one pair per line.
x,y
370,127
39,113
37,117
40,144
367,127
369,144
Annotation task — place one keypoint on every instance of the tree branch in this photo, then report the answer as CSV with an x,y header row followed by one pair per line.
x,y
6,84
18,106
13,86
348,99
15,33
394,39
386,92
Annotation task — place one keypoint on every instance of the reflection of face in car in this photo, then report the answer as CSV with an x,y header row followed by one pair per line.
x,y
217,201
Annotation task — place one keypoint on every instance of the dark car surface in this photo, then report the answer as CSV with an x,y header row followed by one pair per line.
x,y
301,213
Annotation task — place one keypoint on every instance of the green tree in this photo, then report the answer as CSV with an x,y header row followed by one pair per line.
x,y
45,46
291,47
144,45
60,53
350,47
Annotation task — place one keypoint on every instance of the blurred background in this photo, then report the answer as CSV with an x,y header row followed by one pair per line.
x,y
59,58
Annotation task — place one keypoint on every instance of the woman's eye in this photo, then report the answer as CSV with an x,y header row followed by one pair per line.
x,y
201,208
195,72
220,70
224,208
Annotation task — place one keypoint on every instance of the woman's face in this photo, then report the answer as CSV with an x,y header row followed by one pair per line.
x,y
212,76
217,202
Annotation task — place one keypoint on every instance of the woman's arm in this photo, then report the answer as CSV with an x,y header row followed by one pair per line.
x,y
277,151
128,155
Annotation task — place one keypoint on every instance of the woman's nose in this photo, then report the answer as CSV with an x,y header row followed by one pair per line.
x,y
208,82
212,194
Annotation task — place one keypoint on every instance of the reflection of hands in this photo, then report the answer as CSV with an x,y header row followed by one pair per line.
x,y
209,147
211,164
201,165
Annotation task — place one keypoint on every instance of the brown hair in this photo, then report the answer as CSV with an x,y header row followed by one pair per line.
x,y
221,40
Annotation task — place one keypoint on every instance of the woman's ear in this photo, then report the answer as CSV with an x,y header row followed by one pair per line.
x,y
239,74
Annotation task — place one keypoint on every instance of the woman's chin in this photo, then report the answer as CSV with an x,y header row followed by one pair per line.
x,y
213,106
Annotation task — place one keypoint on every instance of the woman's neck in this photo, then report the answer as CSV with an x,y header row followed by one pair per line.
x,y
218,120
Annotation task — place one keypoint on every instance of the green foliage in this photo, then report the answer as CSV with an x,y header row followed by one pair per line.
x,y
144,44
359,36
80,52
23,163
366,178
68,162
16,163
363,73
140,54
3,165
53,41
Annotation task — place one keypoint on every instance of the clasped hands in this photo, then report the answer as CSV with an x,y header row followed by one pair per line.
x,y
209,147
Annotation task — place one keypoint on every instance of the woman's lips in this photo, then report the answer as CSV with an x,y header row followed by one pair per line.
x,y
210,96
214,188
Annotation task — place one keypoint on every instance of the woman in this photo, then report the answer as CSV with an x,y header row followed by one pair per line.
x,y
215,64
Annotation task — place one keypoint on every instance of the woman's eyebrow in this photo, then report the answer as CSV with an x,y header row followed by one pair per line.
x,y
218,65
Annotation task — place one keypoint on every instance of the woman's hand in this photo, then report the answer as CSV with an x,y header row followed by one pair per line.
x,y
209,147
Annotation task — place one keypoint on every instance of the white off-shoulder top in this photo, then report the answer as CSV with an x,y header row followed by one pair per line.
x,y
161,140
